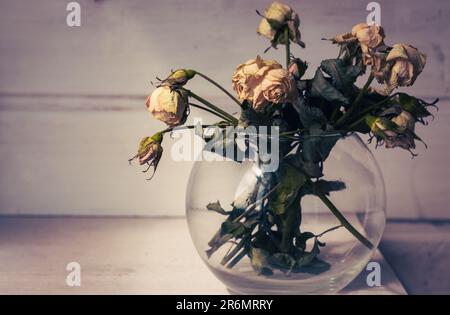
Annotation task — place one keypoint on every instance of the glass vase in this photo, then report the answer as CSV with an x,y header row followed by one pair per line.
x,y
342,256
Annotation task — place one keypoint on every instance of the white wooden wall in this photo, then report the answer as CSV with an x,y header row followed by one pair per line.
x,y
72,99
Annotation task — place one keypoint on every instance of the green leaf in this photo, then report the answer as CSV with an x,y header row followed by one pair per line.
x,y
259,260
300,240
216,207
327,186
413,105
316,266
282,261
322,88
316,146
307,257
309,115
233,228
342,75
290,181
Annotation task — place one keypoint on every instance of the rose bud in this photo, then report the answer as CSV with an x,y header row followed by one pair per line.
x,y
275,18
150,152
404,64
168,105
179,78
397,132
405,140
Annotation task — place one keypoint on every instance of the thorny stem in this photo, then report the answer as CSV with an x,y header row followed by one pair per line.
x,y
230,118
219,86
356,102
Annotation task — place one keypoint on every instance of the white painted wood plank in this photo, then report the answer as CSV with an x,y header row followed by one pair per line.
x,y
122,45
117,256
119,49
419,253
73,161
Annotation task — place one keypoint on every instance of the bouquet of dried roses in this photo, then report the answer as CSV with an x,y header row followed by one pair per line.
x,y
311,114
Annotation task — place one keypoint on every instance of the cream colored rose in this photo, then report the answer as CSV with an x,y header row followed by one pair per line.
x,y
369,37
250,74
167,105
277,16
277,87
405,63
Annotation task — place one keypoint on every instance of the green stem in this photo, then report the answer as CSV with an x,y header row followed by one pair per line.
x,y
184,127
287,43
356,123
342,219
377,105
356,102
209,111
231,118
235,250
219,86
236,259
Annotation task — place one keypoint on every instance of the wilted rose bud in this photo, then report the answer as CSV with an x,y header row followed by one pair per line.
x,y
168,105
404,64
150,151
381,127
179,78
405,140
397,132
276,17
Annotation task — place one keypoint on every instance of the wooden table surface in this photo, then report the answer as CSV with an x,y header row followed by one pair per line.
x,y
119,255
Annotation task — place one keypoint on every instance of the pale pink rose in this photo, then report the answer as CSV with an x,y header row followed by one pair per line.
x,y
405,63
369,37
249,75
277,87
167,105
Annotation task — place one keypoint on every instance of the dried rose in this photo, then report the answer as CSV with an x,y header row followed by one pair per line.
x,y
397,132
168,105
277,87
404,64
276,17
150,151
407,122
250,74
369,37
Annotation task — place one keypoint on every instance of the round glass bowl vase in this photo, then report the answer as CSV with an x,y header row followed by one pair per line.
x,y
362,203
